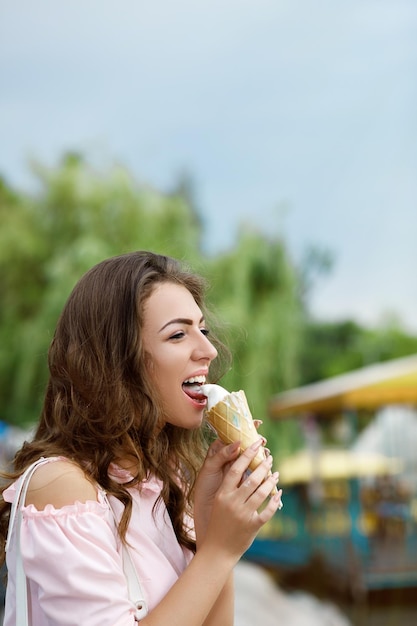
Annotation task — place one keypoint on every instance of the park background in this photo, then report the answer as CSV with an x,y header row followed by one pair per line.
x,y
270,145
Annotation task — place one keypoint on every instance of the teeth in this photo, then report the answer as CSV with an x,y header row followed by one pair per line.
x,y
196,379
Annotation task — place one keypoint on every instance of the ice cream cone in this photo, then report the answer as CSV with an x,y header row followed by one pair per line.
x,y
232,420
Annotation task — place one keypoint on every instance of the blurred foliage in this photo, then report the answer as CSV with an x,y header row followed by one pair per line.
x,y
332,348
256,289
80,216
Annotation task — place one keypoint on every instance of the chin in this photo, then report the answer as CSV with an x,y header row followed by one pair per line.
x,y
192,423
197,421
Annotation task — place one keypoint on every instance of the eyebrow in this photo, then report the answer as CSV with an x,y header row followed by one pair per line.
x,y
180,320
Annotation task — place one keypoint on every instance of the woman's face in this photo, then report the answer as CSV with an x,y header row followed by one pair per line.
x,y
179,352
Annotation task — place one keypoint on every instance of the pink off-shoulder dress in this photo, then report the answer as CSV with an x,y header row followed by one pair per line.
x,y
72,558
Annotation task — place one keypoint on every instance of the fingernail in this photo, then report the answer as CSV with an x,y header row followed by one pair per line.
x,y
269,460
275,476
257,444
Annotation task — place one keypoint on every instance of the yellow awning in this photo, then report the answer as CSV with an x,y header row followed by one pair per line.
x,y
391,382
304,466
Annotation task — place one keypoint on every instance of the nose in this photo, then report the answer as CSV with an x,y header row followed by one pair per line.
x,y
204,349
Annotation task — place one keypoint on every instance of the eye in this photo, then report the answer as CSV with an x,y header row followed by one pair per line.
x,y
178,335
205,331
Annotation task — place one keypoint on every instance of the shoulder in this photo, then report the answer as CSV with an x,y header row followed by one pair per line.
x,y
59,483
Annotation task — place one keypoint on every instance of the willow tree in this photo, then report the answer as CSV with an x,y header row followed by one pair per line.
x,y
256,290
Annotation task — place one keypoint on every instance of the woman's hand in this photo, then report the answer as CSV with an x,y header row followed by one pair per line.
x,y
242,504
218,460
225,495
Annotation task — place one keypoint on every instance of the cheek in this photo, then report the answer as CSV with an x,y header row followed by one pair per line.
x,y
152,374
154,364
158,369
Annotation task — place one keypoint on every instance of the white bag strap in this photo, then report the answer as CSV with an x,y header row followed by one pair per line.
x,y
16,514
134,588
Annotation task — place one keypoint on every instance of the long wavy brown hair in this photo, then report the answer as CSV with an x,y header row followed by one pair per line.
x,y
99,403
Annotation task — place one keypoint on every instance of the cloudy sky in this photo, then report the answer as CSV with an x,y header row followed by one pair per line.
x,y
298,117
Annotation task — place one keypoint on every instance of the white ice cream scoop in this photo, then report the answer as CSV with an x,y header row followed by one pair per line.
x,y
213,393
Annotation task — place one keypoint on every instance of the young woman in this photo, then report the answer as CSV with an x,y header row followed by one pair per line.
x,y
126,465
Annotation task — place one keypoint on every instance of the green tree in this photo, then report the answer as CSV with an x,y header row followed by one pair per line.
x,y
256,290
332,348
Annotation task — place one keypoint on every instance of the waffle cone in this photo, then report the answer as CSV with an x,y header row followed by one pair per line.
x,y
232,420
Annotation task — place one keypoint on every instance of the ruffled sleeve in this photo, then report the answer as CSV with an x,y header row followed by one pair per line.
x,y
73,562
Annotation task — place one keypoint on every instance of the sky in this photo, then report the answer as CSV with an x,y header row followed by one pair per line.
x,y
293,117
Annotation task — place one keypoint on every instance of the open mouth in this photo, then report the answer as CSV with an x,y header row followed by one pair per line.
x,y
192,388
